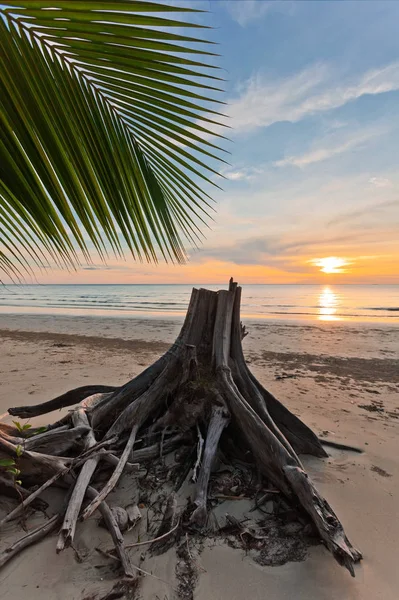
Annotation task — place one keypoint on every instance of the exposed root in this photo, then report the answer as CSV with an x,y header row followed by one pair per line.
x,y
68,399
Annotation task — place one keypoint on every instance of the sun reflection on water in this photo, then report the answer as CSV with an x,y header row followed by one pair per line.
x,y
328,302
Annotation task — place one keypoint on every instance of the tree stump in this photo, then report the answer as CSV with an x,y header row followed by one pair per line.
x,y
202,383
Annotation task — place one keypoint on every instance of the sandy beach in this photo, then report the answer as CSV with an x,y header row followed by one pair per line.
x,y
342,379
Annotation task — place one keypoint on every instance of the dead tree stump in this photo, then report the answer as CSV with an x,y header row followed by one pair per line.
x,y
202,383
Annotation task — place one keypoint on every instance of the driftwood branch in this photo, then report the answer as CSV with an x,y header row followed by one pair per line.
x,y
27,540
114,477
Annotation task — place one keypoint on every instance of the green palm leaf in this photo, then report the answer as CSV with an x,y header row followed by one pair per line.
x,y
106,116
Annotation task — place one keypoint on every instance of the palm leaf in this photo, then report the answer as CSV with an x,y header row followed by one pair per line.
x,y
107,112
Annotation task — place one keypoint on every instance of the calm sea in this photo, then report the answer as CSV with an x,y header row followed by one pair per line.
x,y
311,302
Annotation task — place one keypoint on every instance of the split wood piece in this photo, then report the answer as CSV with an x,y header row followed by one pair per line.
x,y
27,540
71,397
143,454
218,421
67,532
32,497
113,480
200,446
58,443
9,488
115,532
34,464
170,521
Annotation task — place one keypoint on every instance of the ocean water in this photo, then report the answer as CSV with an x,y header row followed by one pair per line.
x,y
371,303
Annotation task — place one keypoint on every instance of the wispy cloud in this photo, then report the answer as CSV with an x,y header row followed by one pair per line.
x,y
367,211
265,101
380,182
249,11
241,173
331,147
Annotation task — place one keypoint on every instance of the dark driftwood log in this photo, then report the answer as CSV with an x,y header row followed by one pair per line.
x,y
68,399
201,379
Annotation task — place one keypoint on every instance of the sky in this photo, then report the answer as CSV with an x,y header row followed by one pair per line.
x,y
312,92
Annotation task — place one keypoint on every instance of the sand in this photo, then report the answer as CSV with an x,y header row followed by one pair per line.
x,y
343,380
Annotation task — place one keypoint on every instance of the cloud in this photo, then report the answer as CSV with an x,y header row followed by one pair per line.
x,y
248,11
241,173
265,101
245,12
380,182
326,151
367,211
267,250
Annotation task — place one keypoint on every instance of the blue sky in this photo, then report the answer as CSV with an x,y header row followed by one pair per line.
x,y
312,91
312,96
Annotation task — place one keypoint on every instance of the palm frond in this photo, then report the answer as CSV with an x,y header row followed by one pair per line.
x,y
106,123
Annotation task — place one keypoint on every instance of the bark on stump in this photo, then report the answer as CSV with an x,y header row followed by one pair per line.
x,y
202,383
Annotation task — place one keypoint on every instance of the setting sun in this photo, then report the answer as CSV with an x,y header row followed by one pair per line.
x,y
331,264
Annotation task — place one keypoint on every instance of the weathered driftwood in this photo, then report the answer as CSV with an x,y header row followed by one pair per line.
x,y
202,383
67,532
32,497
30,538
113,480
115,532
218,421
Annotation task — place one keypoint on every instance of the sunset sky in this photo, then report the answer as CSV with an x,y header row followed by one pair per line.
x,y
313,99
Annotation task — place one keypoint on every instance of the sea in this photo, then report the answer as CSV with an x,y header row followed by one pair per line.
x,y
367,303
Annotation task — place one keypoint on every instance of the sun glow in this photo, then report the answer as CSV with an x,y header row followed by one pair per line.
x,y
331,264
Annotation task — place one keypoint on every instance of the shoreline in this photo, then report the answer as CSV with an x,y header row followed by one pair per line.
x,y
298,318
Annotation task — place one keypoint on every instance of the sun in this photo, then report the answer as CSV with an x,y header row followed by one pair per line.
x,y
331,264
